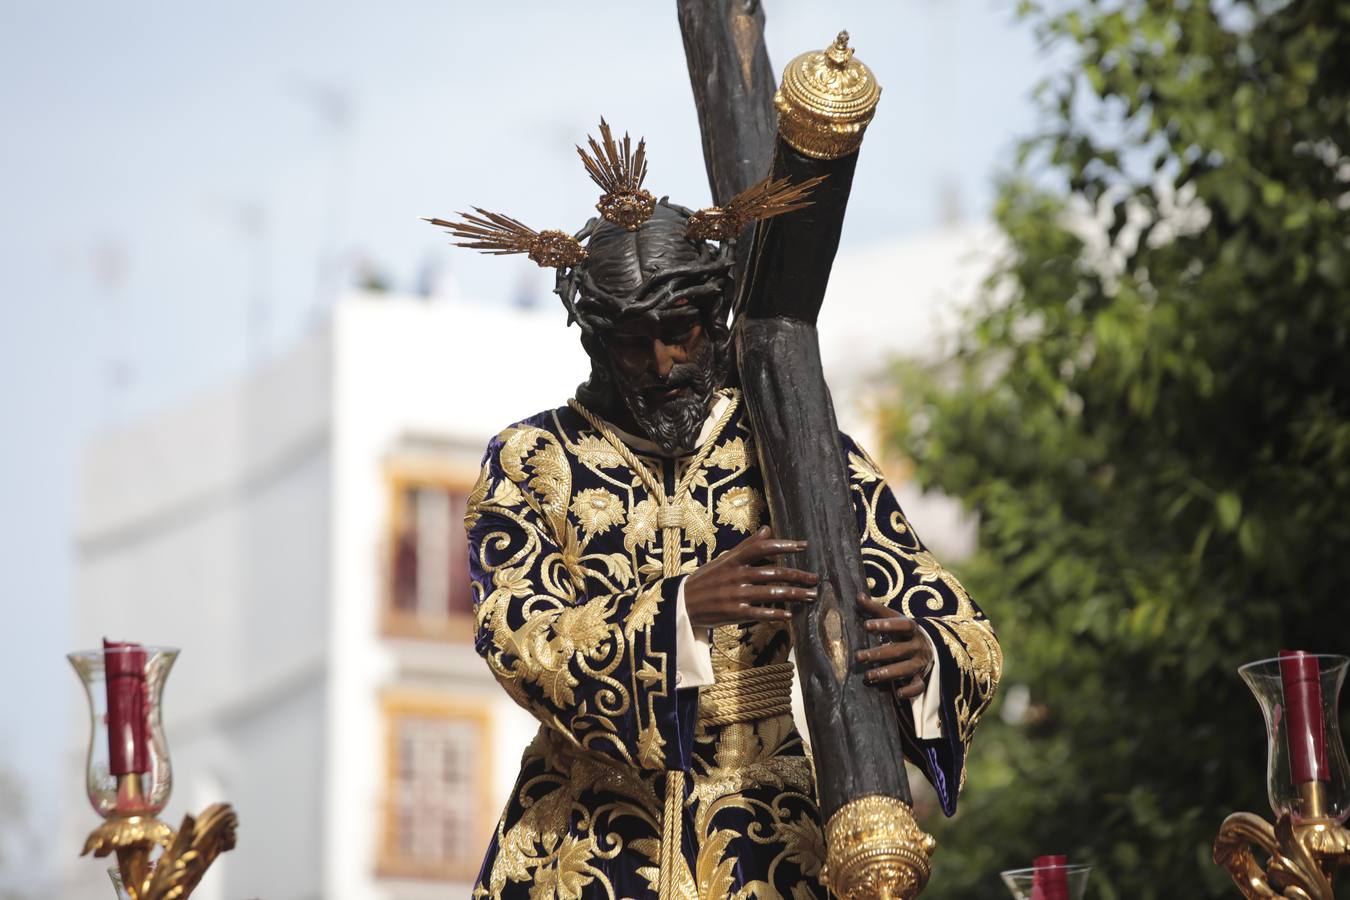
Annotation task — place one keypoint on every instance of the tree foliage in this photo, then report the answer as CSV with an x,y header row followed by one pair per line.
x,y
1150,414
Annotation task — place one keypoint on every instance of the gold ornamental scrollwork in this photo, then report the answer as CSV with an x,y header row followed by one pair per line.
x,y
876,851
826,100
1300,858
188,853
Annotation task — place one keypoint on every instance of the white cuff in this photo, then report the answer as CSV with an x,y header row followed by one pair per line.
x,y
693,656
927,707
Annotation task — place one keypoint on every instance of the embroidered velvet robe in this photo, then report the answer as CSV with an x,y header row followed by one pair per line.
x,y
576,610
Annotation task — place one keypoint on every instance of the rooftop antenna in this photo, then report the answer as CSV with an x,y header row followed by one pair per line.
x,y
254,226
252,223
336,111
108,264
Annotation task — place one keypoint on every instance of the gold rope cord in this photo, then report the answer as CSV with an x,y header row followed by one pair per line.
x,y
747,695
671,825
670,518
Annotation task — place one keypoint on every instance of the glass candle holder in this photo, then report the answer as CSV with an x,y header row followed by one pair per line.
x,y
115,876
119,886
1038,883
141,793
1307,775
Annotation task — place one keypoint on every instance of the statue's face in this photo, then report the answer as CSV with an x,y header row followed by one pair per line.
x,y
665,368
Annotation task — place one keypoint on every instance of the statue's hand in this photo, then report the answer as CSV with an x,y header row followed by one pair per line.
x,y
739,585
904,655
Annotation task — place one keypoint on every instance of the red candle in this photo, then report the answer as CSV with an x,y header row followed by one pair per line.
x,y
128,732
1301,678
1050,878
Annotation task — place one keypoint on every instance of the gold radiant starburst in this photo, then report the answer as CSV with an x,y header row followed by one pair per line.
x,y
620,174
497,234
764,200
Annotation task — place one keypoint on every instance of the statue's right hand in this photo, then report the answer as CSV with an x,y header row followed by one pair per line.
x,y
740,585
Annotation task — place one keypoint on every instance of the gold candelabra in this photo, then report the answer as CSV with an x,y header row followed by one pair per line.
x,y
1307,780
1302,856
128,778
186,856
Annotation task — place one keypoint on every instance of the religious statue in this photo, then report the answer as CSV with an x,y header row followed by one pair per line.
x,y
633,593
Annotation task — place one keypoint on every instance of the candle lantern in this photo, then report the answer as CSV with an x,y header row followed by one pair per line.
x,y
1307,783
128,777
1051,878
1306,772
127,770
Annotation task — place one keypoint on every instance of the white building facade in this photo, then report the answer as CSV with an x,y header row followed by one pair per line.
x,y
299,536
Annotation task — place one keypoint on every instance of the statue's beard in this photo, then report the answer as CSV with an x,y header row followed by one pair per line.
x,y
674,425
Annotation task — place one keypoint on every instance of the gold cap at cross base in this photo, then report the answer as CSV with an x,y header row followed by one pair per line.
x,y
876,851
826,101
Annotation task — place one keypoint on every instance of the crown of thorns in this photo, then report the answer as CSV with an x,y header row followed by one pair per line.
x,y
619,170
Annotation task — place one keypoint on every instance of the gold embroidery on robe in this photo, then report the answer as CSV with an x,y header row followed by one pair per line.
x,y
575,618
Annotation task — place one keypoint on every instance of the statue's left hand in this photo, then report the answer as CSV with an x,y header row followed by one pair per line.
x,y
904,656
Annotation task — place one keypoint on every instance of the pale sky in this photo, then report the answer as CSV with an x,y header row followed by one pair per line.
x,y
174,176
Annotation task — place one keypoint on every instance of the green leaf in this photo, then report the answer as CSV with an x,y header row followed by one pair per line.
x,y
1229,507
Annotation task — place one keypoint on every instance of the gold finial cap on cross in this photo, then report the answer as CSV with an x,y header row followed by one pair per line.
x,y
826,100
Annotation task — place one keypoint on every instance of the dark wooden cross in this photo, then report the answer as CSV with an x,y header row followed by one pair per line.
x,y
855,735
